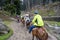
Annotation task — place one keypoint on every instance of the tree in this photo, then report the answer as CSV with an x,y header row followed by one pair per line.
x,y
12,7
17,3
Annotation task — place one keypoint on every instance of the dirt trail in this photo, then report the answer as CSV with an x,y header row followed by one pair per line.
x,y
20,32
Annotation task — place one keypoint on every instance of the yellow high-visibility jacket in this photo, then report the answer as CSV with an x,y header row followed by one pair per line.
x,y
37,21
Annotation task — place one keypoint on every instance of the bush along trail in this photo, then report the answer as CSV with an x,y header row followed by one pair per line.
x,y
5,31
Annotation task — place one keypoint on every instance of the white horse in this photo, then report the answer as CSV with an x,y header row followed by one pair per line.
x,y
27,20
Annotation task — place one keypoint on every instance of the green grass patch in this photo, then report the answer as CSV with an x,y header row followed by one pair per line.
x,y
51,12
7,22
5,12
6,36
53,23
45,12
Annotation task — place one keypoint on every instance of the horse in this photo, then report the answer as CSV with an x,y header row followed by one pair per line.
x,y
23,21
26,21
39,33
28,24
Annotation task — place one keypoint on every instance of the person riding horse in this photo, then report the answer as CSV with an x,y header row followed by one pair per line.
x,y
38,23
25,19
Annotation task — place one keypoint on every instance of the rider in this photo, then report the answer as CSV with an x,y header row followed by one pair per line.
x,y
26,18
37,21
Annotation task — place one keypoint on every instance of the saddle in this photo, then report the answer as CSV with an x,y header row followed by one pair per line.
x,y
41,31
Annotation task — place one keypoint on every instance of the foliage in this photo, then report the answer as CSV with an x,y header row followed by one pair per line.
x,y
12,7
17,4
45,12
6,36
7,1
50,12
9,7
53,23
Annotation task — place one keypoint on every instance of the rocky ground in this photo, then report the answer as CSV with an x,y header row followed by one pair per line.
x,y
54,30
21,33
3,28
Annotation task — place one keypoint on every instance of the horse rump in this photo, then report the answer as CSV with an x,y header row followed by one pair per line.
x,y
40,33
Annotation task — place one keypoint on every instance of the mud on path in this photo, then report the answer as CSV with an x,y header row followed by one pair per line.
x,y
20,32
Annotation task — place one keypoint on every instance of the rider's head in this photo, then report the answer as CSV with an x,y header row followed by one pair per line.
x,y
36,12
27,15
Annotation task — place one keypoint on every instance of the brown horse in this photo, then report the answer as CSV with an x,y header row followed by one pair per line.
x,y
22,20
40,34
27,23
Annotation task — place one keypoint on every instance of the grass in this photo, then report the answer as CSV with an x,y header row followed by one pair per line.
x,y
5,12
7,22
45,12
51,12
53,23
51,32
6,36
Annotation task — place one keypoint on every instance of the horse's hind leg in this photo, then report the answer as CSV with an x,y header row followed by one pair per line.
x,y
32,37
37,38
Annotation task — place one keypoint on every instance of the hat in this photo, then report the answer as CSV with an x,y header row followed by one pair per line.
x,y
36,12
27,14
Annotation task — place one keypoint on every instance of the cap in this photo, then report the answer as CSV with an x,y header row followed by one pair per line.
x,y
36,12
